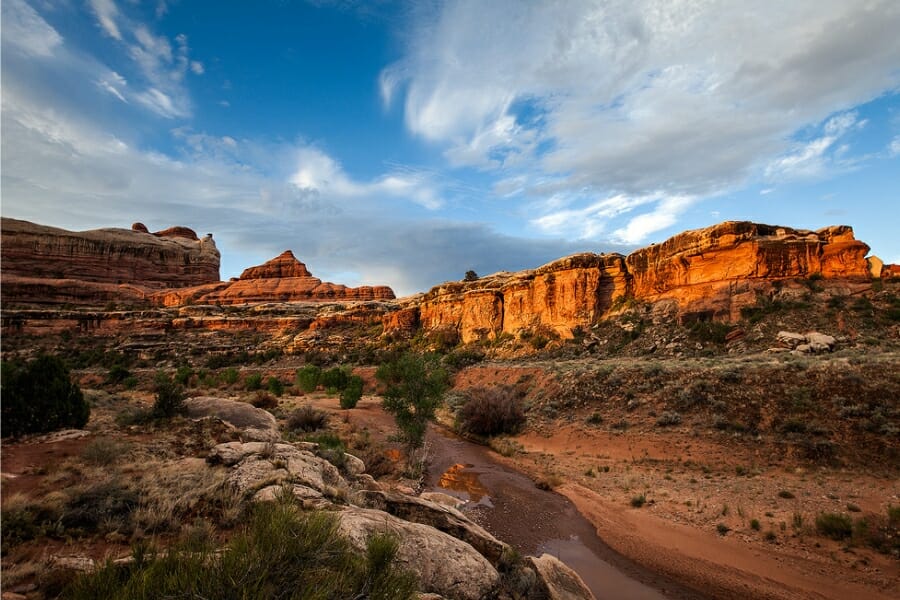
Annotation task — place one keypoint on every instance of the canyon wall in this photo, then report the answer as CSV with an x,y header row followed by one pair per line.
x,y
707,273
46,265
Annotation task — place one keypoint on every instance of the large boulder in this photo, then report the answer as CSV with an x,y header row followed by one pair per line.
x,y
443,564
557,581
255,423
441,517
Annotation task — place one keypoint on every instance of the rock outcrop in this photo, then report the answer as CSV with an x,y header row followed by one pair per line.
x,y
47,265
282,279
707,273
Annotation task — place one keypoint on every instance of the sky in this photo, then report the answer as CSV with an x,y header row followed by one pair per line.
x,y
405,143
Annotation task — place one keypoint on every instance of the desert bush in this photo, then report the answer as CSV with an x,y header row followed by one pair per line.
x,y
229,376
40,396
668,418
787,495
25,519
835,526
103,452
307,418
638,501
335,379
331,448
253,382
101,507
595,418
263,399
491,411
281,553
117,374
308,378
463,357
183,375
709,331
754,524
169,397
275,386
352,392
722,528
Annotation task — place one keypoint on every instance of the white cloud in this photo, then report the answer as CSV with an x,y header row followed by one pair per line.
x,y
894,146
642,98
197,67
107,14
816,157
27,30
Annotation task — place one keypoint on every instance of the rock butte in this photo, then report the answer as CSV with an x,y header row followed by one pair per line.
x,y
704,274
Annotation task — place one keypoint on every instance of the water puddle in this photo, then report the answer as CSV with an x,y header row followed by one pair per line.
x,y
463,483
605,581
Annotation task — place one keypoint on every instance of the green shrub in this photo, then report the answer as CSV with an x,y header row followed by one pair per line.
x,y
117,374
787,495
281,553
668,419
334,380
638,501
308,378
102,452
275,386
264,399
183,375
491,411
835,526
351,394
40,396
754,524
229,376
722,528
169,397
253,382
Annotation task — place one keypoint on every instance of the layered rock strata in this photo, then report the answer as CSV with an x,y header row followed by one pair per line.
x,y
707,273
282,279
47,265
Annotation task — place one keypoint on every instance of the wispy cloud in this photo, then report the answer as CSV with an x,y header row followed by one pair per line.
x,y
26,31
641,98
818,156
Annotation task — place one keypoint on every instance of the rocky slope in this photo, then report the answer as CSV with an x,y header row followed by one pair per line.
x,y
46,265
703,274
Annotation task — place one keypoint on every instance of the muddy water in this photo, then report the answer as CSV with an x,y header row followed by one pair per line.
x,y
535,521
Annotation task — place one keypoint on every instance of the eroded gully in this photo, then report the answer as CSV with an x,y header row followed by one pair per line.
x,y
507,503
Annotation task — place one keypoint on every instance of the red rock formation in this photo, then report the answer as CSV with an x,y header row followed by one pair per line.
x,y
282,279
46,265
712,272
283,265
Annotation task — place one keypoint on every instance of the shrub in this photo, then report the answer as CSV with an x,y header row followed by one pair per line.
x,y
351,394
275,386
668,418
308,378
594,418
335,379
415,385
229,376
834,525
40,396
281,553
722,528
754,524
253,382
710,331
183,375
786,495
307,418
169,397
117,374
471,276
263,399
491,411
638,501
102,452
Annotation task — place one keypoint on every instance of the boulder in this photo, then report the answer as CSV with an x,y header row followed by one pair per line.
x,y
256,424
557,581
443,499
441,517
443,564
257,466
819,342
790,339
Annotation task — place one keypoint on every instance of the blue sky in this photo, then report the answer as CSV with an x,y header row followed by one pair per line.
x,y
404,143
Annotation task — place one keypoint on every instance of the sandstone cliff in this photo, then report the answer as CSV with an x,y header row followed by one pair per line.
x,y
706,273
282,279
47,265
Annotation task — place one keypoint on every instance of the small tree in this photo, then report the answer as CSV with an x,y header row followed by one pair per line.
x,y
169,397
415,384
308,378
40,396
351,394
471,276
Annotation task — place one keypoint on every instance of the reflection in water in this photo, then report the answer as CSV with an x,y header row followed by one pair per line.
x,y
456,478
